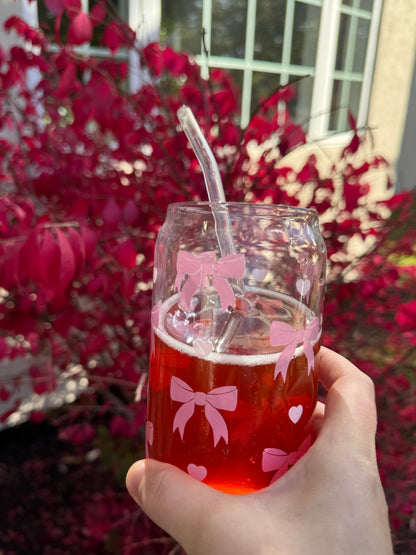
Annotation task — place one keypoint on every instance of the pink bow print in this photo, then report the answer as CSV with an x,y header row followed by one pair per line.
x,y
220,398
200,267
284,334
276,459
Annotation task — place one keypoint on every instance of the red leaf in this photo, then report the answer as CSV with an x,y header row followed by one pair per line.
x,y
112,37
406,316
98,13
43,378
90,241
77,433
31,263
67,262
352,194
130,213
309,171
67,81
225,102
83,111
351,120
78,248
16,23
126,253
111,214
50,253
80,29
55,6
353,146
73,7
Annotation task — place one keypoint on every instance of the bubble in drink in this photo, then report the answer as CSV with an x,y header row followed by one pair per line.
x,y
236,420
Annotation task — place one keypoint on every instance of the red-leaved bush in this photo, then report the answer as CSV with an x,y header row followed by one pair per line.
x,y
87,171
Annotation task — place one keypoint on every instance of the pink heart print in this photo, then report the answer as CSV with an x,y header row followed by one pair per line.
x,y
198,472
303,286
295,413
259,273
203,347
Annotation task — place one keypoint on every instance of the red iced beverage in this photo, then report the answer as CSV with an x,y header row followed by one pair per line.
x,y
236,324
227,418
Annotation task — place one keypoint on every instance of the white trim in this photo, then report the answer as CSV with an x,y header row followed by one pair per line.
x,y
30,12
325,65
248,55
144,18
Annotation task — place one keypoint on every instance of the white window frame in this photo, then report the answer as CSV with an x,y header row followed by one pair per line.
x,y
325,67
145,19
324,70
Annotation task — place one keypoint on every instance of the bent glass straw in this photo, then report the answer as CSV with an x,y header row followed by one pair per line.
x,y
212,178
220,213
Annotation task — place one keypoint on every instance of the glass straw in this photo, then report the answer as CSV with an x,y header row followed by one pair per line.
x,y
220,213
212,178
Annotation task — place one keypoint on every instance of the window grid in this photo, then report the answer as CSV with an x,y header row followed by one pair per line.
x,y
323,73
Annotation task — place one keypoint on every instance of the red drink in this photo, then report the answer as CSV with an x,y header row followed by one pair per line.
x,y
229,419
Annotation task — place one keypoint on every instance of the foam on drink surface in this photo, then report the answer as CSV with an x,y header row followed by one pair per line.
x,y
251,346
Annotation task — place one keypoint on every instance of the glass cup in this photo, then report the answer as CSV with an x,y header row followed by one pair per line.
x,y
236,324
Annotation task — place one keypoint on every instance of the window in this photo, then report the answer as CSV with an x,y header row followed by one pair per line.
x,y
326,48
142,15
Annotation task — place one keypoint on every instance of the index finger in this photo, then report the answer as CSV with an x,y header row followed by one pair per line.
x,y
350,408
332,366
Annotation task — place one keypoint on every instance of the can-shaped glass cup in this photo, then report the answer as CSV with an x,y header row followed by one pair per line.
x,y
236,324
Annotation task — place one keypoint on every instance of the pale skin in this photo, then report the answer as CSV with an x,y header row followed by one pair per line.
x,y
330,502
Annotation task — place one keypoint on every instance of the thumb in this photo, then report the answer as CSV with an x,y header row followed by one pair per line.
x,y
172,499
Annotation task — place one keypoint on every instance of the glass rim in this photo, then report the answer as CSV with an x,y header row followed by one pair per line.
x,y
255,209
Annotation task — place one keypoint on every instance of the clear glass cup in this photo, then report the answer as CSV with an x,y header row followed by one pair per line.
x,y
236,323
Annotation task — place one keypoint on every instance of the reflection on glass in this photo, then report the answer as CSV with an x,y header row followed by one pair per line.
x,y
181,24
228,28
270,23
305,34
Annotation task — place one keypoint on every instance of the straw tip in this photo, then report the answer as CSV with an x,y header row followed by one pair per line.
x,y
183,111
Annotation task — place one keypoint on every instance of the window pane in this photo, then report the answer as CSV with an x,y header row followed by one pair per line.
x,y
120,7
300,105
263,85
228,28
305,34
181,24
339,110
344,27
270,23
361,40
367,5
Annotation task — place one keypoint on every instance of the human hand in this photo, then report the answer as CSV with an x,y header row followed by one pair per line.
x,y
330,502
